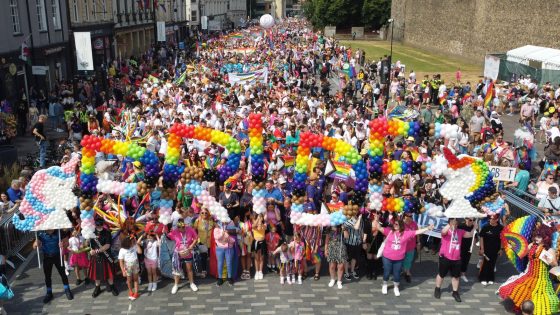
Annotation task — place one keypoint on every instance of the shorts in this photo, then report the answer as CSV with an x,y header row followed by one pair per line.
x,y
150,263
446,265
259,245
132,268
354,251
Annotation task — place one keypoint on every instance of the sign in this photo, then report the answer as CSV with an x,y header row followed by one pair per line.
x,y
98,43
491,67
84,56
54,50
215,25
181,45
503,174
249,78
161,31
39,70
204,22
330,31
424,220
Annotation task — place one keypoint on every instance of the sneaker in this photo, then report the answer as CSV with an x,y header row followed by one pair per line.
x,y
194,288
490,282
355,275
48,298
219,282
347,276
456,296
293,278
174,289
289,280
281,280
131,296
484,283
331,283
384,288
299,280
437,293
396,290
154,286
464,278
339,284
150,287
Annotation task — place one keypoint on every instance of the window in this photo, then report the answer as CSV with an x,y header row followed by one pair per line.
x,y
14,13
104,7
56,15
41,15
86,11
193,15
94,10
75,11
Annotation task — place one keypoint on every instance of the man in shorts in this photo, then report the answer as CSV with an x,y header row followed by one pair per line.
x,y
450,257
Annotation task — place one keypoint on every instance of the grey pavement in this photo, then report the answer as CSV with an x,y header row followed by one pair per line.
x,y
267,296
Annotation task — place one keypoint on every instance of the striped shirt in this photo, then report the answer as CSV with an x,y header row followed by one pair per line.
x,y
354,235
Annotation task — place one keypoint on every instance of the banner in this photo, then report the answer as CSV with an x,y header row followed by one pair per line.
x,y
161,31
250,78
84,57
491,67
503,174
424,220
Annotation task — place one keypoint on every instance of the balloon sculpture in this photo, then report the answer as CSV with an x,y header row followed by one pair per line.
x,y
266,21
47,197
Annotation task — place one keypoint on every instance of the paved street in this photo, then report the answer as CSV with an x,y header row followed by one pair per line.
x,y
264,297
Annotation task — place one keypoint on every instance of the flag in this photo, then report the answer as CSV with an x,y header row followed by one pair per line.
x,y
489,95
443,98
181,78
288,160
25,51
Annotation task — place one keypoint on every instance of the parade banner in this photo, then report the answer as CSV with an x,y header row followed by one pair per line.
x,y
425,220
260,75
84,57
244,51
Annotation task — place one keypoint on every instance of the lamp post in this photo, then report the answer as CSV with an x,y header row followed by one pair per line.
x,y
390,61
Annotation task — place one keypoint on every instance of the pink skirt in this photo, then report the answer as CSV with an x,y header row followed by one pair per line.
x,y
79,260
150,263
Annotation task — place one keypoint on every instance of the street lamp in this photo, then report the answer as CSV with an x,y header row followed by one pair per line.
x,y
391,20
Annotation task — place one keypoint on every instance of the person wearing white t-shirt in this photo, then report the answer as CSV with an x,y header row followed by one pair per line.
x,y
128,261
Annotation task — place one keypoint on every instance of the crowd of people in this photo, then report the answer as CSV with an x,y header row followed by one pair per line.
x,y
313,84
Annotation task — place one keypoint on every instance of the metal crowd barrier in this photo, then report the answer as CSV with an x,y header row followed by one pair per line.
x,y
521,203
13,241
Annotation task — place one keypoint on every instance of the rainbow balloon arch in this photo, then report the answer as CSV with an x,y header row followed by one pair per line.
x,y
479,195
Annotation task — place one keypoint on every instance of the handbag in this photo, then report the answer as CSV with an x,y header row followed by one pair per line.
x,y
6,292
382,247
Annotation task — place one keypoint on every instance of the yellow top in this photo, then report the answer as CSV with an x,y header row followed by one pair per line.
x,y
258,235
203,228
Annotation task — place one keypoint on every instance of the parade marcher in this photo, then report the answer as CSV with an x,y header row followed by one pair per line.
x,y
102,263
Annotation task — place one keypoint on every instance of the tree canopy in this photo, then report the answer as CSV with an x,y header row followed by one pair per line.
x,y
347,13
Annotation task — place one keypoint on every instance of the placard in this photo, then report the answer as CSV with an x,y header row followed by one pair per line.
x,y
84,56
503,174
491,67
424,220
161,31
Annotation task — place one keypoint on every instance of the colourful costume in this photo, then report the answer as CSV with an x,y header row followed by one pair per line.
x,y
533,284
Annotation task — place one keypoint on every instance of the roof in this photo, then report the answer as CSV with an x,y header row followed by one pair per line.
x,y
549,57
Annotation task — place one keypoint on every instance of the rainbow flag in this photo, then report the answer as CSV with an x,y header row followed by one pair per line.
x,y
289,160
514,238
236,35
443,98
489,95
342,170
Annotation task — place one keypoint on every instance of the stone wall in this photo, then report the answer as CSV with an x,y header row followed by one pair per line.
x,y
472,28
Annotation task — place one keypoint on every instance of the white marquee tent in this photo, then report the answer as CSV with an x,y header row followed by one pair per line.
x,y
549,58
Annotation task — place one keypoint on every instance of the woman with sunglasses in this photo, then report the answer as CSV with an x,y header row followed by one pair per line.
x,y
185,239
395,249
544,185
490,247
203,226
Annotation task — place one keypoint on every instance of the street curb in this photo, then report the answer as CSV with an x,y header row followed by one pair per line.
x,y
21,268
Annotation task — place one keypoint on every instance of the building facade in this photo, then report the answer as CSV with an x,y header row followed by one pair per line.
x,y
96,17
41,26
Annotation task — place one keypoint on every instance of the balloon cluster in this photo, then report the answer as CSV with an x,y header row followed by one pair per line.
x,y
433,210
446,131
117,188
47,196
256,147
495,206
375,195
207,201
483,187
259,200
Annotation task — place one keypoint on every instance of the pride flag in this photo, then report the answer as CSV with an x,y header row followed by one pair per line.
x,y
342,170
289,160
489,95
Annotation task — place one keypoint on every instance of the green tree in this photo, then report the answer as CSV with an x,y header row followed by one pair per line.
x,y
375,13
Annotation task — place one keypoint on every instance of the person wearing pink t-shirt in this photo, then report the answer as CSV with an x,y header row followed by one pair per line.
x,y
450,257
185,238
394,250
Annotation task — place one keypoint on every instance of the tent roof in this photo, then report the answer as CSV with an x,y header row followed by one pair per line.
x,y
529,52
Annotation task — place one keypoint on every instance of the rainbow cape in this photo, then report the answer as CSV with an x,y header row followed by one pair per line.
x,y
515,239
